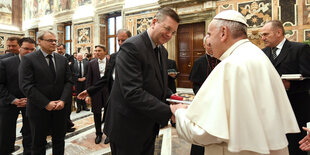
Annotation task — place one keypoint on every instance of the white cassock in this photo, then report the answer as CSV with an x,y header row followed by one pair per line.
x,y
242,107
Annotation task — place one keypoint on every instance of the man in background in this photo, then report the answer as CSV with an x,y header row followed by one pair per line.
x,y
290,58
13,101
12,47
172,75
80,69
45,79
109,77
202,68
96,70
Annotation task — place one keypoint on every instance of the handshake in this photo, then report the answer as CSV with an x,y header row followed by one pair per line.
x,y
175,106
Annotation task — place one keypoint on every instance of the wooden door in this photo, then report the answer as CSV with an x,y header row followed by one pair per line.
x,y
190,47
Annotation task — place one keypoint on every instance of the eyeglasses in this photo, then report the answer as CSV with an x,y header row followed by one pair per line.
x,y
50,40
28,49
168,29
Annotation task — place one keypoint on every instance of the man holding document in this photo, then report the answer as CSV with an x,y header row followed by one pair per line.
x,y
242,107
290,58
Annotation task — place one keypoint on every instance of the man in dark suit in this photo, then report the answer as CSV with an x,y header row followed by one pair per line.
x,y
290,58
13,101
45,79
138,107
96,70
201,69
172,75
80,69
108,79
61,49
12,47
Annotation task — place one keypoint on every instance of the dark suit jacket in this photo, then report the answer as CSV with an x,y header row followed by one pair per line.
x,y
138,94
6,55
9,82
294,58
98,99
201,71
171,81
106,80
37,84
76,70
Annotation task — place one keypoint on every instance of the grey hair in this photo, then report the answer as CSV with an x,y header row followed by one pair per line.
x,y
124,31
42,33
236,29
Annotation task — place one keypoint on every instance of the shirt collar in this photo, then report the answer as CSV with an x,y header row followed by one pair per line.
x,y
232,48
153,44
103,60
45,54
280,45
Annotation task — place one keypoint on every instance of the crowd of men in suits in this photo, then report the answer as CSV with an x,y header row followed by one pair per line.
x,y
38,83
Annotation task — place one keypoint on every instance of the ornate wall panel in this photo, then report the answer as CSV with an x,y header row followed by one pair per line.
x,y
143,24
256,13
83,38
6,11
288,11
307,34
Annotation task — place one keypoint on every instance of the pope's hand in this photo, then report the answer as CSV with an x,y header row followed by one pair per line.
x,y
175,107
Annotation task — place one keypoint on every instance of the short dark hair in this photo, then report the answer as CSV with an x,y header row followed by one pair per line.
x,y
63,45
26,39
101,46
124,30
13,38
164,12
277,24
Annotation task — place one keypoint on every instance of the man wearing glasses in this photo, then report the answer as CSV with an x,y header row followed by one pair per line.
x,y
138,107
45,79
13,101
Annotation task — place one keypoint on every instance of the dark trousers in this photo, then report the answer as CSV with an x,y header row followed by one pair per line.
x,y
68,112
300,104
8,119
197,150
39,127
146,149
79,87
98,121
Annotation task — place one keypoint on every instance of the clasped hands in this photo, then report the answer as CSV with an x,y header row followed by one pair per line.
x,y
22,102
55,105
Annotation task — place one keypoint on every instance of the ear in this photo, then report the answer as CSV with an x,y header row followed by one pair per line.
x,y
223,33
154,20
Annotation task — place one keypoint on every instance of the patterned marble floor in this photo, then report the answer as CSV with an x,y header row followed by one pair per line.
x,y
81,141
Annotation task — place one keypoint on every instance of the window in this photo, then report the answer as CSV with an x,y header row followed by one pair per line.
x,y
68,38
114,23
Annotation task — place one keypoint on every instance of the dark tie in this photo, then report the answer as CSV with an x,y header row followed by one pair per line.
x,y
80,69
274,52
157,55
51,65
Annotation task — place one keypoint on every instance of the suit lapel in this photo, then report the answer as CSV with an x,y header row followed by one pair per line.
x,y
151,51
96,68
283,53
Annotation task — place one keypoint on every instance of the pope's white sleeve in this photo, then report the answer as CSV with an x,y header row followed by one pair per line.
x,y
191,132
